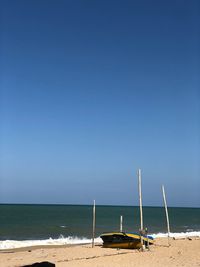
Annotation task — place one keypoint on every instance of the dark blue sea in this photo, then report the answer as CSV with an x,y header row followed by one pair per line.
x,y
60,224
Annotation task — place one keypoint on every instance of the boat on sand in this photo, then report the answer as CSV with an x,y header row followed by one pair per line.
x,y
125,240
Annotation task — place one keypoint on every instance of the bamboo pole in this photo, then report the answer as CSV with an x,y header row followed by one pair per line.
x,y
93,225
121,223
140,198
166,212
141,213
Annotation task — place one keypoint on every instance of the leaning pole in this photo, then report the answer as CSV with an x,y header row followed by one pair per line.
x,y
166,212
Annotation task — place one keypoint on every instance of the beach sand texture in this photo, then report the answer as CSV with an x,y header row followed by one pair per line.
x,y
182,252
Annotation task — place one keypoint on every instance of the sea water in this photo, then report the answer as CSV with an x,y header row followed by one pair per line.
x,y
31,225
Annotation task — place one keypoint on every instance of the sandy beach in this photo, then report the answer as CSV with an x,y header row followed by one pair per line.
x,y
182,252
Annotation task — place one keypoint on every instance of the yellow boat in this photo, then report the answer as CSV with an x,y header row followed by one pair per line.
x,y
124,240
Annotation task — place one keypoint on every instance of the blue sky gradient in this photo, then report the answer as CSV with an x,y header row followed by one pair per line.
x,y
90,91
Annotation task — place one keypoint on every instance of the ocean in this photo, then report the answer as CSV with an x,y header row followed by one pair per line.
x,y
27,225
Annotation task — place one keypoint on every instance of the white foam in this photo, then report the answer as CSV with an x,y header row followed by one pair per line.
x,y
71,240
177,235
11,244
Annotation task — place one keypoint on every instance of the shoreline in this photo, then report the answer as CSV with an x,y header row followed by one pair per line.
x,y
97,244
21,245
30,248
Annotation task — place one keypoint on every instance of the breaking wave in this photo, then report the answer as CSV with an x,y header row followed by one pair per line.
x,y
71,240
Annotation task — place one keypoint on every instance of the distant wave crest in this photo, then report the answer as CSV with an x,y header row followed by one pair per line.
x,y
177,235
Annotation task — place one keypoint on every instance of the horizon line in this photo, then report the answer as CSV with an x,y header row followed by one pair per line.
x,y
109,205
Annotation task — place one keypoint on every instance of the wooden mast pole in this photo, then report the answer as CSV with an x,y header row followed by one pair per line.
x,y
140,201
121,223
166,212
93,225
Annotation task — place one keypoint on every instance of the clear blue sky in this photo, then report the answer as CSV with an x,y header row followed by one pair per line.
x,y
90,91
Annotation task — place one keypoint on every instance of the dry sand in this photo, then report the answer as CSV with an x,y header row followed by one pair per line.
x,y
182,252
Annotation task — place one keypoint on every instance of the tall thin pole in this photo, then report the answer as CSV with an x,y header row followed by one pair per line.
x,y
93,228
166,212
140,199
121,223
141,214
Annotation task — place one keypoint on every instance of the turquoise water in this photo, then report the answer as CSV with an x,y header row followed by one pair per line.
x,y
36,222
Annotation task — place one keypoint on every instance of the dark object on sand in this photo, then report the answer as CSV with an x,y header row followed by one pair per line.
x,y
124,240
41,264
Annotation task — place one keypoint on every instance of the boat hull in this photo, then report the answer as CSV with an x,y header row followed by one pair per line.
x,y
124,245
124,240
